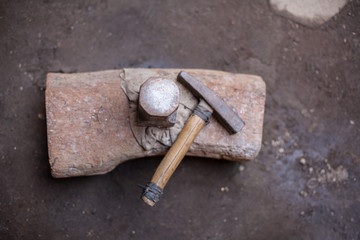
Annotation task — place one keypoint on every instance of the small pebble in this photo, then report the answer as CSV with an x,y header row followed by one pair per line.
x,y
241,168
133,232
224,189
41,116
352,122
311,170
302,213
328,166
302,161
303,193
281,150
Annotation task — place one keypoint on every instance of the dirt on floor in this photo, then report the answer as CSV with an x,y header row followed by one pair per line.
x,y
303,185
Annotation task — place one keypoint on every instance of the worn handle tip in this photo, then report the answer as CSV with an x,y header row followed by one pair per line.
x,y
148,201
151,193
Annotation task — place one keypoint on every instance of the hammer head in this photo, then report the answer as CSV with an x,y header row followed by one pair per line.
x,y
228,118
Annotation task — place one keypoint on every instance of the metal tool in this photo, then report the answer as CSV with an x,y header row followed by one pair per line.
x,y
209,103
158,103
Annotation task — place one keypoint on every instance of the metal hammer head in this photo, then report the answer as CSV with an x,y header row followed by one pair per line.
x,y
158,102
227,117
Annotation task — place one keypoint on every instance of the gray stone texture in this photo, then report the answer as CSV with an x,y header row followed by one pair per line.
x,y
308,12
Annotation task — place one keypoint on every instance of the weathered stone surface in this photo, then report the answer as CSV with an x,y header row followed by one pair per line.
x,y
308,12
88,120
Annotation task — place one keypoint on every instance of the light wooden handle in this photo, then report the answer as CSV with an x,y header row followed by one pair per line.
x,y
177,151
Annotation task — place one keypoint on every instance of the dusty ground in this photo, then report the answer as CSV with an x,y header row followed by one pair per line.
x,y
303,185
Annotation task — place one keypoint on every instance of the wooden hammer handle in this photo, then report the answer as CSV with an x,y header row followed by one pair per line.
x,y
177,151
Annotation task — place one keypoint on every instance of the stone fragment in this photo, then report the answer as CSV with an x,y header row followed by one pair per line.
x,y
308,12
88,120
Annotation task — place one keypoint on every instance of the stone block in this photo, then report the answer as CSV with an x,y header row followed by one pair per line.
x,y
88,120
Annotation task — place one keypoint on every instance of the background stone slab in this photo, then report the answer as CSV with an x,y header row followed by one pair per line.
x,y
308,12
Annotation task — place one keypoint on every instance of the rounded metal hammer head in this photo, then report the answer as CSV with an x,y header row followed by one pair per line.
x,y
158,102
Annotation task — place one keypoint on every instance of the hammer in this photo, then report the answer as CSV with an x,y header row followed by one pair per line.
x,y
209,103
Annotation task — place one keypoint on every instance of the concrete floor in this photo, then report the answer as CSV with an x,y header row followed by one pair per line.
x,y
303,185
